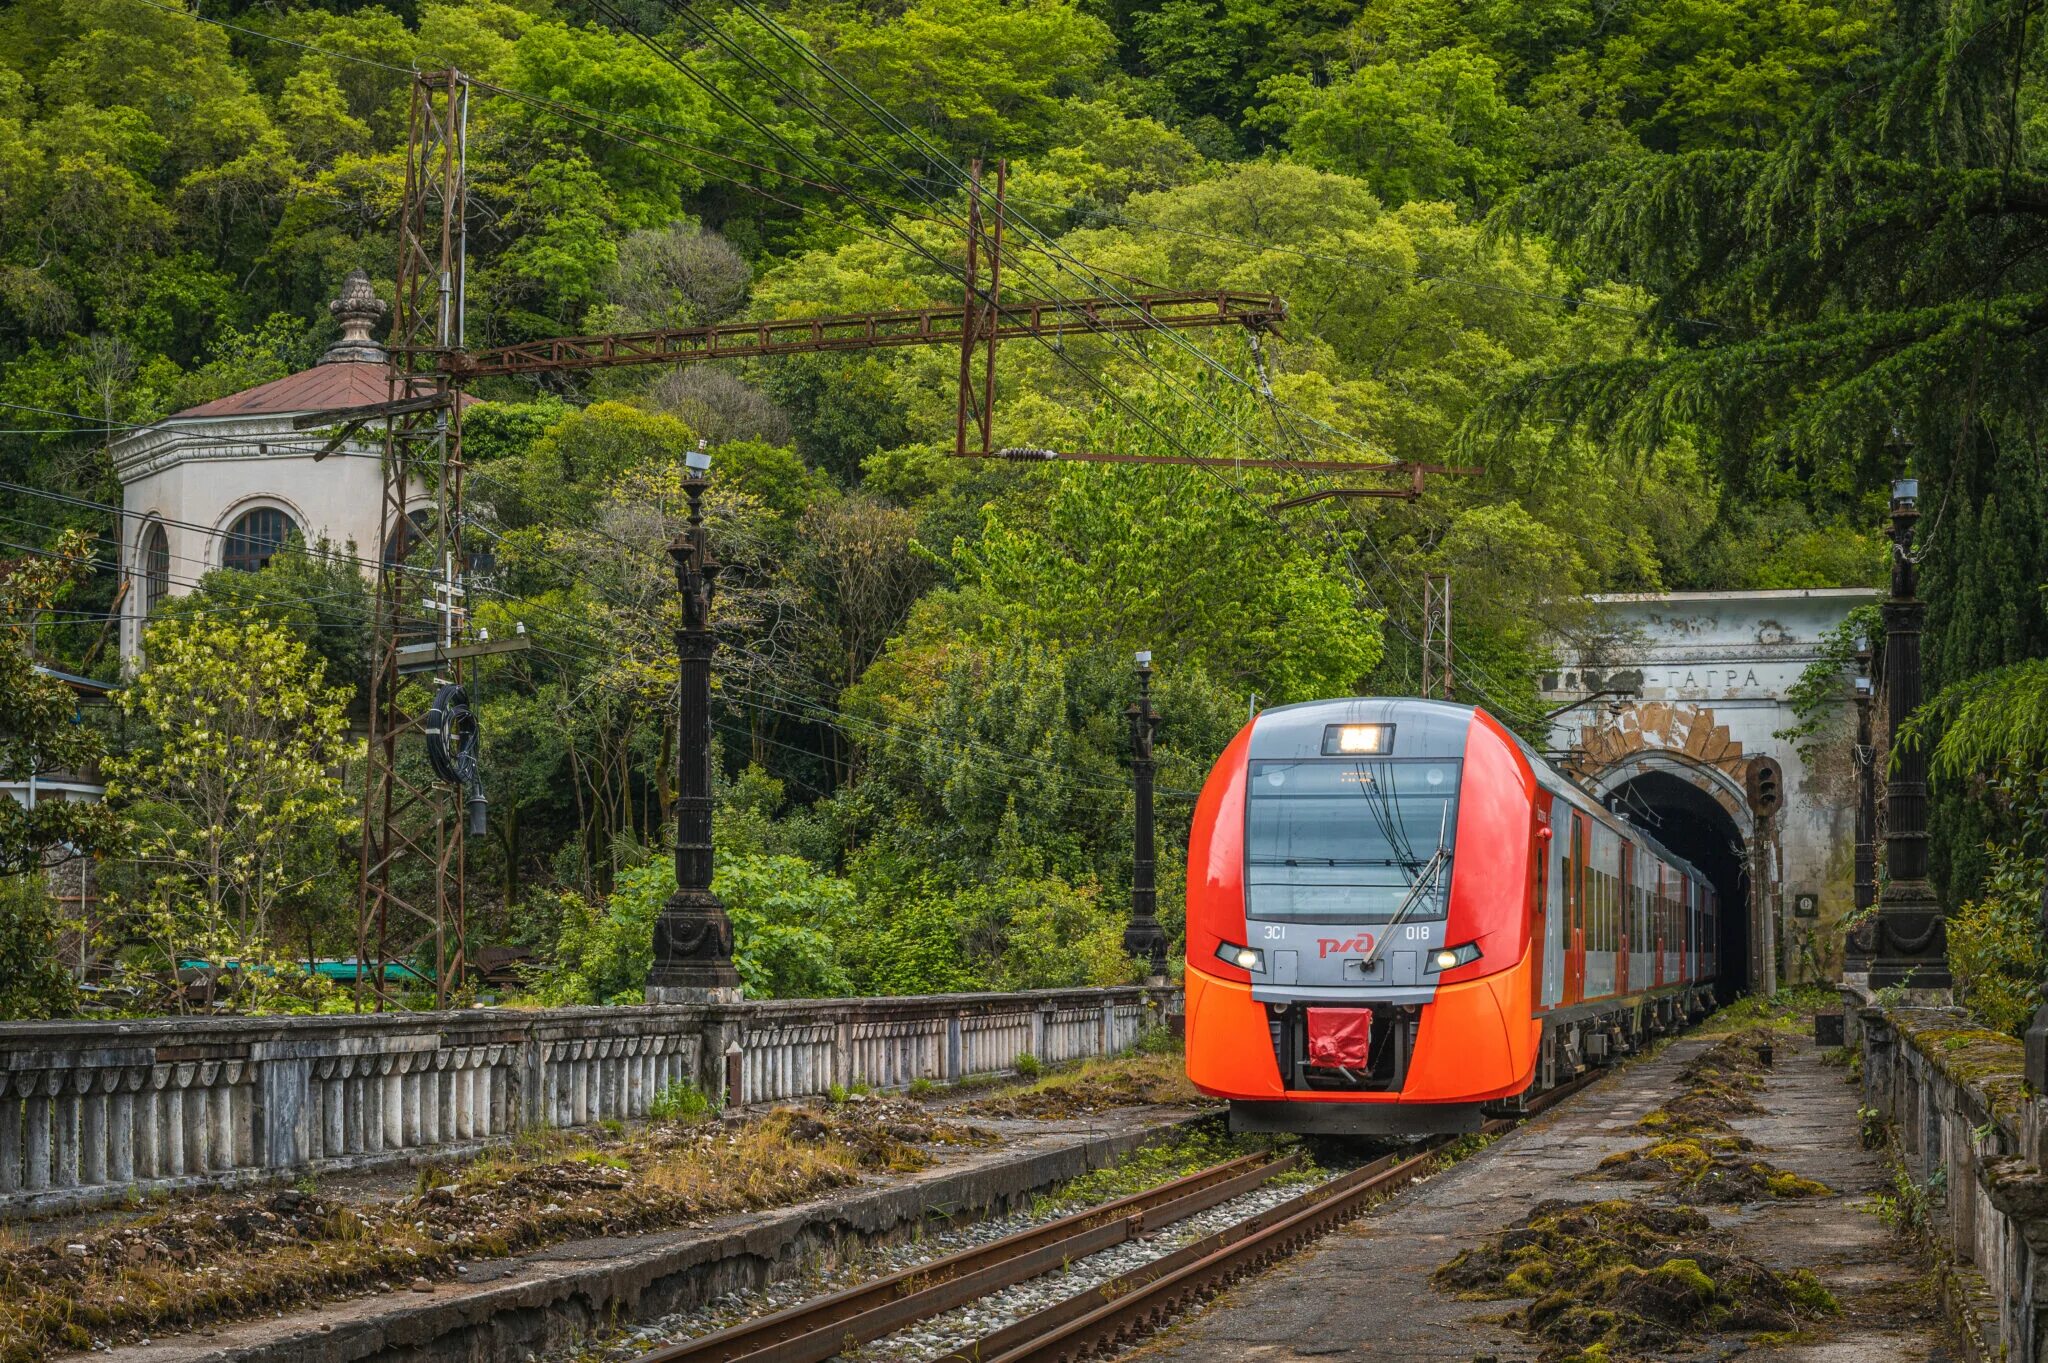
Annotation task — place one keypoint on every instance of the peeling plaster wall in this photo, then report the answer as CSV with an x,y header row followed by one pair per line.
x,y
1716,667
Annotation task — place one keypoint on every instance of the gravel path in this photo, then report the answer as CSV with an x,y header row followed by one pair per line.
x,y
932,1339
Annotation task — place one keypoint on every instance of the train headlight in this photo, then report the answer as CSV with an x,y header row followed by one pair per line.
x,y
1244,958
1450,958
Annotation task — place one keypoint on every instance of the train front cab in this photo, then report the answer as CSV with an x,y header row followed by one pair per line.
x,y
1279,951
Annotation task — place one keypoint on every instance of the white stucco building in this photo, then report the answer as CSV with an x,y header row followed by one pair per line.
x,y
1696,759
221,485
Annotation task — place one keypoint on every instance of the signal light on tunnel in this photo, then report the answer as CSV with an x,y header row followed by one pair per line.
x,y
1357,740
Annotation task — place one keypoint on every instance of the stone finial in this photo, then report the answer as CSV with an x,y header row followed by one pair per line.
x,y
358,310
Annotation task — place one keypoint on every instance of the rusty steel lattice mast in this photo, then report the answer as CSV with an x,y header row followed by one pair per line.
x,y
1437,674
407,813
979,315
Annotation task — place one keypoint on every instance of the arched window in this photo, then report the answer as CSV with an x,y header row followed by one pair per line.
x,y
418,525
156,566
254,537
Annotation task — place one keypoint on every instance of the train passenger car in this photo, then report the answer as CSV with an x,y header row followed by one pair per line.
x,y
1400,919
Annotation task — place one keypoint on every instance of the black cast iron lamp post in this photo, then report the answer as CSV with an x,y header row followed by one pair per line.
x,y
1143,937
1856,955
1911,948
693,936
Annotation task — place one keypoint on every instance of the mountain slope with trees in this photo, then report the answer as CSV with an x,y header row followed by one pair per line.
x,y
1670,271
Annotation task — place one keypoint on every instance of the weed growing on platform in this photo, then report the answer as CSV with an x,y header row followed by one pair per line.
x,y
228,1257
680,1101
1615,1279
1133,1080
1789,1010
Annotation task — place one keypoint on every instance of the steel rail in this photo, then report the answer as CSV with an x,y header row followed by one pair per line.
x,y
816,1330
1140,1301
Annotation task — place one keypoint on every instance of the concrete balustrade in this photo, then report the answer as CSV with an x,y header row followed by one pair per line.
x,y
94,1112
1974,1141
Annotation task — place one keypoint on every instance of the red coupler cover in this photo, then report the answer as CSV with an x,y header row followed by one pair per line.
x,y
1340,1038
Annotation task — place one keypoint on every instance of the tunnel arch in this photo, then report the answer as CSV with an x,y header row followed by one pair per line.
x,y
1699,811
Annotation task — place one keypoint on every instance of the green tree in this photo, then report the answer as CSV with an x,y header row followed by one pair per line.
x,y
1857,301
236,810
1438,127
982,77
40,735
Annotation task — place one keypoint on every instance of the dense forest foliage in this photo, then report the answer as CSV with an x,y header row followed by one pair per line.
x,y
1688,279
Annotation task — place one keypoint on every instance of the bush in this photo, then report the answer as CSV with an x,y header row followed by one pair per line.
x,y
680,1101
787,916
33,985
1028,1066
1994,943
916,948
604,955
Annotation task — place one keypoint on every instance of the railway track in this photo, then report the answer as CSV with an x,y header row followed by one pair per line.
x,y
1104,1316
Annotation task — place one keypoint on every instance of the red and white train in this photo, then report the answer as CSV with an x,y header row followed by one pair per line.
x,y
1401,918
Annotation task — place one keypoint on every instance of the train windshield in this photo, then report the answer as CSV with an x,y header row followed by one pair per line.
x,y
1350,841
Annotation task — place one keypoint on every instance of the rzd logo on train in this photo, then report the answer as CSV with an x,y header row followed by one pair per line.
x,y
1326,946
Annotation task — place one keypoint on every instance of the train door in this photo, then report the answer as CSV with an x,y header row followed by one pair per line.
x,y
1626,911
1684,943
1556,919
1709,934
1575,908
1659,924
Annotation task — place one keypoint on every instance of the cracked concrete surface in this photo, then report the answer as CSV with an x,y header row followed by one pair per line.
x,y
1365,1293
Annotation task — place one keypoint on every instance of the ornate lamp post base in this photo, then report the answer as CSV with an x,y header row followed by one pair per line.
x,y
693,951
1146,940
1911,945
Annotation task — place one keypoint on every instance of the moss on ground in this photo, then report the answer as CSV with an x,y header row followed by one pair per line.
x,y
1616,1279
226,1257
1694,1152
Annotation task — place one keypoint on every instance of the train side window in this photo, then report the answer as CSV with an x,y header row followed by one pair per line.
x,y
1600,911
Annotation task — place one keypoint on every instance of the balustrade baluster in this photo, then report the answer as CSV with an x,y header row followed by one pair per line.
x,y
36,1134
121,1127
92,1124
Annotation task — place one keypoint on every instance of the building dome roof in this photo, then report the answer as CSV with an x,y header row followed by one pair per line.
x,y
352,373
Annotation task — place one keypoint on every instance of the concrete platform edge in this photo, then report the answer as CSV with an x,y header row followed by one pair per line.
x,y
651,1275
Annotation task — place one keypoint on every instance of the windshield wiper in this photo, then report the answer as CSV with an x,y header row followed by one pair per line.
x,y
1422,882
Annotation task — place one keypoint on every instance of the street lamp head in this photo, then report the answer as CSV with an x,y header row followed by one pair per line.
x,y
1863,688
1144,656
698,461
1905,492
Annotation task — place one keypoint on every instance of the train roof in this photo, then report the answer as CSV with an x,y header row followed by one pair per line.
x,y
1423,729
